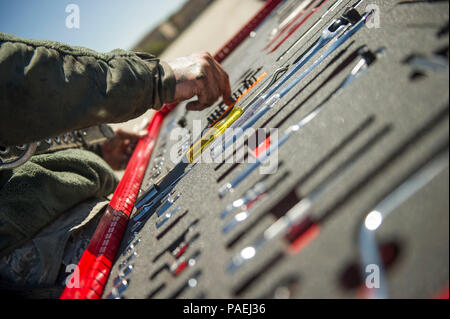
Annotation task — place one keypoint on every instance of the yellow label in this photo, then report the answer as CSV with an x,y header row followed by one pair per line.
x,y
213,133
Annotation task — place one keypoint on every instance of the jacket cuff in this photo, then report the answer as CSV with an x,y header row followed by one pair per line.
x,y
169,83
166,84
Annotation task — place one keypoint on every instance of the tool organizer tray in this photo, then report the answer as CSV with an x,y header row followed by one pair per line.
x,y
371,137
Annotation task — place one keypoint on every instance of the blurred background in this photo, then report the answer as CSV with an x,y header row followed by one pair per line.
x,y
164,28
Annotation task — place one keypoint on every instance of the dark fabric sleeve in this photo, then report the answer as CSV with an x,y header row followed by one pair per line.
x,y
48,88
35,194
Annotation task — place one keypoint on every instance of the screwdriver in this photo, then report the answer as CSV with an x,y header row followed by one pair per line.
x,y
367,59
238,116
289,21
330,10
274,78
219,127
245,125
316,7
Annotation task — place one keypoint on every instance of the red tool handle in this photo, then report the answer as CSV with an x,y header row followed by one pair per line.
x,y
97,260
246,30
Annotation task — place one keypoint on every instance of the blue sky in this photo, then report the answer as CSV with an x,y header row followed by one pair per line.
x,y
104,24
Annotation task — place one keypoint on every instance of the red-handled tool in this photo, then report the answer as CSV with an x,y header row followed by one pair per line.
x,y
246,30
97,260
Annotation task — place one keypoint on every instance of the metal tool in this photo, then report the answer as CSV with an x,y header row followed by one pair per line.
x,y
191,283
93,259
123,275
147,196
167,217
118,289
245,125
287,51
338,27
169,202
288,22
218,127
367,59
182,243
299,216
246,83
245,204
368,247
242,203
348,24
156,197
131,247
314,8
274,78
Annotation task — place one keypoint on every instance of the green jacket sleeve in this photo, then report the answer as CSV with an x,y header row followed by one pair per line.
x,y
38,192
48,88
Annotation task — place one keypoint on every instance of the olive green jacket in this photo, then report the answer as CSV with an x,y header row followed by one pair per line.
x,y
48,89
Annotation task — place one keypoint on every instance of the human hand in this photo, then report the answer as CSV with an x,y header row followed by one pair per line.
x,y
118,150
202,76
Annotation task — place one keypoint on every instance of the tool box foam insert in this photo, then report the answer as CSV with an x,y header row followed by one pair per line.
x,y
400,116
